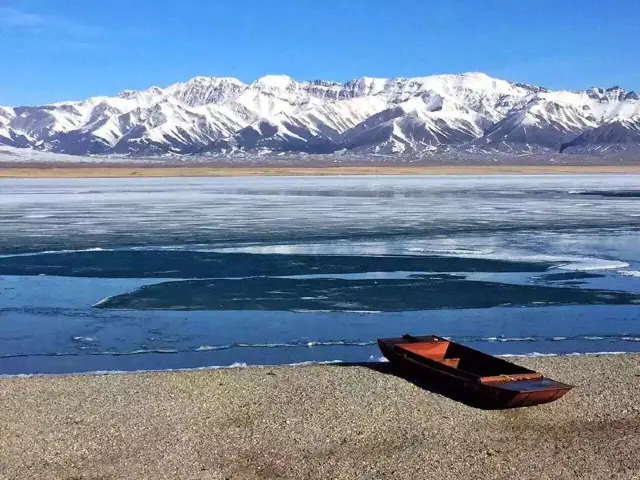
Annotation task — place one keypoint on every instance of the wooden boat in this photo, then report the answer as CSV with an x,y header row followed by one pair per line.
x,y
474,377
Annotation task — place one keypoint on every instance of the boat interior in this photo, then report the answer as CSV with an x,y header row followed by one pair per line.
x,y
487,368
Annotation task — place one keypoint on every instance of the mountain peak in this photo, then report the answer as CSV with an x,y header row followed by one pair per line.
x,y
202,80
475,74
275,82
200,91
130,94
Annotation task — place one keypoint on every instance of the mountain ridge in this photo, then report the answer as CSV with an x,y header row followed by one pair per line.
x,y
275,113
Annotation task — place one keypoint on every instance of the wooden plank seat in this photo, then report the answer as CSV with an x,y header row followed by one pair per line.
x,y
515,377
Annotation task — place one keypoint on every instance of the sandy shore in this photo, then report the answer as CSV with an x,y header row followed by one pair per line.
x,y
94,171
316,422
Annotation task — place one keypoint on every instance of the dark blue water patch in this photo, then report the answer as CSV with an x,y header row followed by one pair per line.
x,y
611,193
384,295
567,276
615,281
196,264
569,279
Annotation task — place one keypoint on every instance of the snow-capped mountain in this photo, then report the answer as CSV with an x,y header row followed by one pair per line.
x,y
210,115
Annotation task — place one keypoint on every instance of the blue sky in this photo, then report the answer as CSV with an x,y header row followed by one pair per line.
x,y
54,50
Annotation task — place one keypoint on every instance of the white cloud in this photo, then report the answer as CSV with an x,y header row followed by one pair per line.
x,y
17,18
61,28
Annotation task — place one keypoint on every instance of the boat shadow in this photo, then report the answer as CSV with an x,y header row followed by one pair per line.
x,y
454,394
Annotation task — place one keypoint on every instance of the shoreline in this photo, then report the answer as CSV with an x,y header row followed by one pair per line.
x,y
317,421
511,357
89,170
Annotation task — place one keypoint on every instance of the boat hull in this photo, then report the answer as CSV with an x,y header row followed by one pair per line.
x,y
443,379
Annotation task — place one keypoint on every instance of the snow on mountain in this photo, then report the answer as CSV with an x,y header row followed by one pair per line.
x,y
551,119
6,114
318,128
333,118
416,124
201,91
277,113
542,123
7,135
617,135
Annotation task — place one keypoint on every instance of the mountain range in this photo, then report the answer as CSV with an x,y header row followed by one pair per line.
x,y
398,116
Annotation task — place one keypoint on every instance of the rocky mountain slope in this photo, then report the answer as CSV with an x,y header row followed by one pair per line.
x,y
442,113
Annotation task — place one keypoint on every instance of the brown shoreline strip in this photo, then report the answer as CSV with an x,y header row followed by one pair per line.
x,y
316,422
146,170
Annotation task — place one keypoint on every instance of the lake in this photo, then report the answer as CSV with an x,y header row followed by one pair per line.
x,y
144,274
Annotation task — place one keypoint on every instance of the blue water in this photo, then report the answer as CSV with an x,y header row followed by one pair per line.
x,y
139,274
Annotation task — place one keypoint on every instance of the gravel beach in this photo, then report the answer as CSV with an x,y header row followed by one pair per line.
x,y
328,421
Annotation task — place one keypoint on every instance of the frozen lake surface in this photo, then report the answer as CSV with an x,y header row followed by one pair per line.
x,y
130,274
